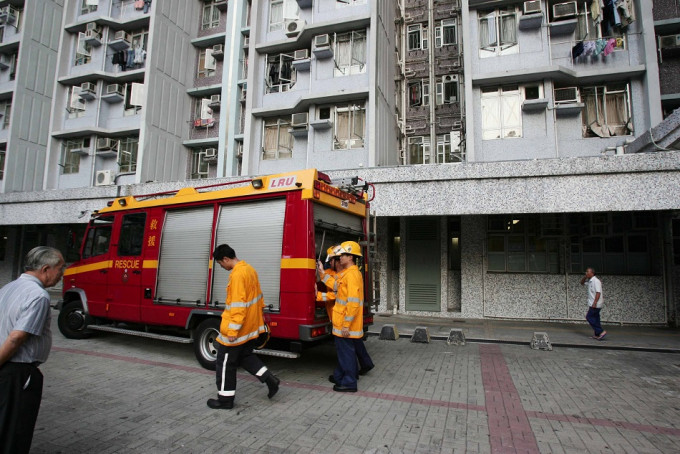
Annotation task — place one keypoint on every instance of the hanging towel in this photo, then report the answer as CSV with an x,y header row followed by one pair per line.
x,y
147,5
619,43
607,17
576,50
600,44
596,12
588,48
139,4
609,48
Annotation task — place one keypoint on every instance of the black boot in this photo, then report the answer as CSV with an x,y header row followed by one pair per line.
x,y
272,383
223,403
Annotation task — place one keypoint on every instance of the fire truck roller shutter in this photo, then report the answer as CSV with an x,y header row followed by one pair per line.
x,y
347,226
185,255
255,231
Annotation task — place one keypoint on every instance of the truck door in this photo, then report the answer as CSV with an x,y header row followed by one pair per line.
x,y
125,277
91,272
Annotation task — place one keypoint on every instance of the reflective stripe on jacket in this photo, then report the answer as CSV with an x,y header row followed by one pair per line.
x,y
242,316
348,311
329,295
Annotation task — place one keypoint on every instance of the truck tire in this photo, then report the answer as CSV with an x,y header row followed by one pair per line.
x,y
205,340
72,321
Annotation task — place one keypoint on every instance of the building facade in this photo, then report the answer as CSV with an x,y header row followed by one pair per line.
x,y
512,144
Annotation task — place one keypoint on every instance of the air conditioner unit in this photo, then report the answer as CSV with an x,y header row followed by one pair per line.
x,y
302,54
11,15
4,12
88,87
299,120
322,41
562,10
91,26
566,95
106,143
532,6
103,178
294,27
215,99
218,51
81,151
115,89
450,78
210,154
121,34
669,41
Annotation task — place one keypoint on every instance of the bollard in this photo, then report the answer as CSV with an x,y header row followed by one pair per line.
x,y
421,334
389,332
456,337
540,341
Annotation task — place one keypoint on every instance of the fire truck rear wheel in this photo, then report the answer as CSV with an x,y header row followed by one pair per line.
x,y
72,321
205,342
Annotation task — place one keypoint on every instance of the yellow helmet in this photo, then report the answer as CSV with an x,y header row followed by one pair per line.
x,y
349,247
330,253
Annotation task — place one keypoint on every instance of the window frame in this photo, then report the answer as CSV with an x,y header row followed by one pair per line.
x,y
128,149
200,168
354,65
283,150
423,96
606,91
83,52
212,10
440,33
70,162
420,40
279,63
505,130
419,147
349,141
496,47
203,68
87,9
130,238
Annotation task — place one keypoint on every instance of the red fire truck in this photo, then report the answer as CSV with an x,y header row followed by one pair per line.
x,y
145,263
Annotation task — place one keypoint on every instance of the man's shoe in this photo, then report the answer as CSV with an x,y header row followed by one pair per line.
x,y
601,336
365,370
331,378
218,404
344,389
273,384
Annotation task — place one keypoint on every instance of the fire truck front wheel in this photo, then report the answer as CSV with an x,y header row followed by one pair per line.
x,y
72,321
205,342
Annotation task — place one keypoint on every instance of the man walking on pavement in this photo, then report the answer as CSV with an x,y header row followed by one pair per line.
x,y
242,323
25,342
348,315
595,302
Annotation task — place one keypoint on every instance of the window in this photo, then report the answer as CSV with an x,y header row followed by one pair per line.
x,y
211,15
13,65
419,150
83,51
3,154
139,41
279,11
98,237
207,65
515,244
350,53
6,111
587,28
418,93
454,256
501,112
445,34
131,234
76,105
417,37
498,31
134,98
200,166
278,142
127,154
607,111
203,114
447,90
676,241
281,74
349,126
71,152
88,6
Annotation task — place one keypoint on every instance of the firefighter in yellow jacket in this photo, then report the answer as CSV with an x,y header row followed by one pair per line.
x,y
328,297
348,315
242,323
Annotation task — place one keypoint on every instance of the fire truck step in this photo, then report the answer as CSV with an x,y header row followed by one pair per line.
x,y
277,353
111,329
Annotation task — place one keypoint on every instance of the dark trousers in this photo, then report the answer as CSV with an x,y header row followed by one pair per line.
x,y
21,387
365,361
229,359
345,372
593,317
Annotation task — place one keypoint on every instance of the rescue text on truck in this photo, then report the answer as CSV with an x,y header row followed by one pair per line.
x,y
145,264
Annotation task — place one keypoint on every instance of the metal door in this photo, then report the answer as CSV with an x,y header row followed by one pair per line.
x,y
423,264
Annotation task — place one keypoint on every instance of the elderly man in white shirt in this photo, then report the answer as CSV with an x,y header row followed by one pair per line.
x,y
595,302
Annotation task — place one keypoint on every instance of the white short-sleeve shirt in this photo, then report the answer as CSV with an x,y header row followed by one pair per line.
x,y
594,286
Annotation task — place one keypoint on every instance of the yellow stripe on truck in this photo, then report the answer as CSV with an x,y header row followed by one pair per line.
x,y
150,264
307,264
91,267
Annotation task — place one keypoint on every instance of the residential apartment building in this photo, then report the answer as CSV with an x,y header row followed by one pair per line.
x,y
510,142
